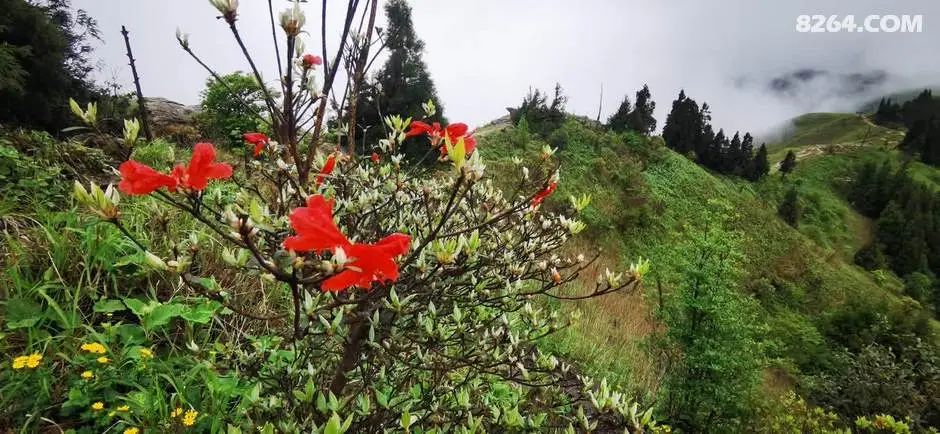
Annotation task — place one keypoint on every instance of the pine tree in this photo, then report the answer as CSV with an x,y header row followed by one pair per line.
x,y
788,163
619,121
401,86
789,209
761,164
684,125
733,156
641,118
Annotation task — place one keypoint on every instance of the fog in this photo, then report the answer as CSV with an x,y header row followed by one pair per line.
x,y
484,55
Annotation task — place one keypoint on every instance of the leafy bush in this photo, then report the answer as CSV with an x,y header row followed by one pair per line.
x,y
879,380
230,107
541,116
712,338
330,294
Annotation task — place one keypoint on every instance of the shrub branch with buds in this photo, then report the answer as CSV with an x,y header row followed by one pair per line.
x,y
412,300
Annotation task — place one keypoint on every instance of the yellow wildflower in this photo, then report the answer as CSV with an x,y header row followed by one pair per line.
x,y
132,430
176,412
88,375
104,360
145,353
20,362
98,406
124,408
94,348
33,360
190,418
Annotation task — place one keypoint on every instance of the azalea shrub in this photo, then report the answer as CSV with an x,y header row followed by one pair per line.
x,y
344,293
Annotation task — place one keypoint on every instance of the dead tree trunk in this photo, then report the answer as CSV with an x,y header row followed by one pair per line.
x,y
142,107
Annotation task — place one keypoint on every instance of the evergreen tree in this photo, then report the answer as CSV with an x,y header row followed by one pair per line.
x,y
732,158
788,163
400,86
684,125
761,164
789,209
619,121
888,112
923,139
641,118
746,157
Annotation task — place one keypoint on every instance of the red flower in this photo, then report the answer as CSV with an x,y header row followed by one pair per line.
x,y
367,263
375,157
453,132
419,128
370,263
309,60
259,140
327,169
201,169
139,179
315,229
540,196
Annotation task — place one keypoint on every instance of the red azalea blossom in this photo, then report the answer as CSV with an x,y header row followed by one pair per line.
x,y
259,140
315,229
375,157
140,179
370,263
452,132
201,169
316,232
540,196
309,60
327,169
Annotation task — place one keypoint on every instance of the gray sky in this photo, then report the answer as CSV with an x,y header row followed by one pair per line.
x,y
485,54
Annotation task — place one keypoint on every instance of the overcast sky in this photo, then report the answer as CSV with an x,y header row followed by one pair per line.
x,y
485,54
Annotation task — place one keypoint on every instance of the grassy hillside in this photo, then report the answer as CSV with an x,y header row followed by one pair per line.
x,y
842,130
647,199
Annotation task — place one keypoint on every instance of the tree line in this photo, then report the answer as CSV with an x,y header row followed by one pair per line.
x,y
921,116
688,131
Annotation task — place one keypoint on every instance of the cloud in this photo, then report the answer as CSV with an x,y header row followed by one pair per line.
x,y
485,54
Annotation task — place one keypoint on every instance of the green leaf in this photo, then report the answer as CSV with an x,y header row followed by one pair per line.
x,y
22,313
138,307
334,425
201,313
109,306
161,315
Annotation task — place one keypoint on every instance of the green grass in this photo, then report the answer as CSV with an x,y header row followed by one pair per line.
x,y
831,133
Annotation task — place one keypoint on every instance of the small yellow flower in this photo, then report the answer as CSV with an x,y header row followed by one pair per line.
x,y
33,360
145,353
88,375
190,418
94,348
104,360
124,408
98,406
176,412
20,362
132,430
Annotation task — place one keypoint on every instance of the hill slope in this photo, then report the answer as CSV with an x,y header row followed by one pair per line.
x,y
647,199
